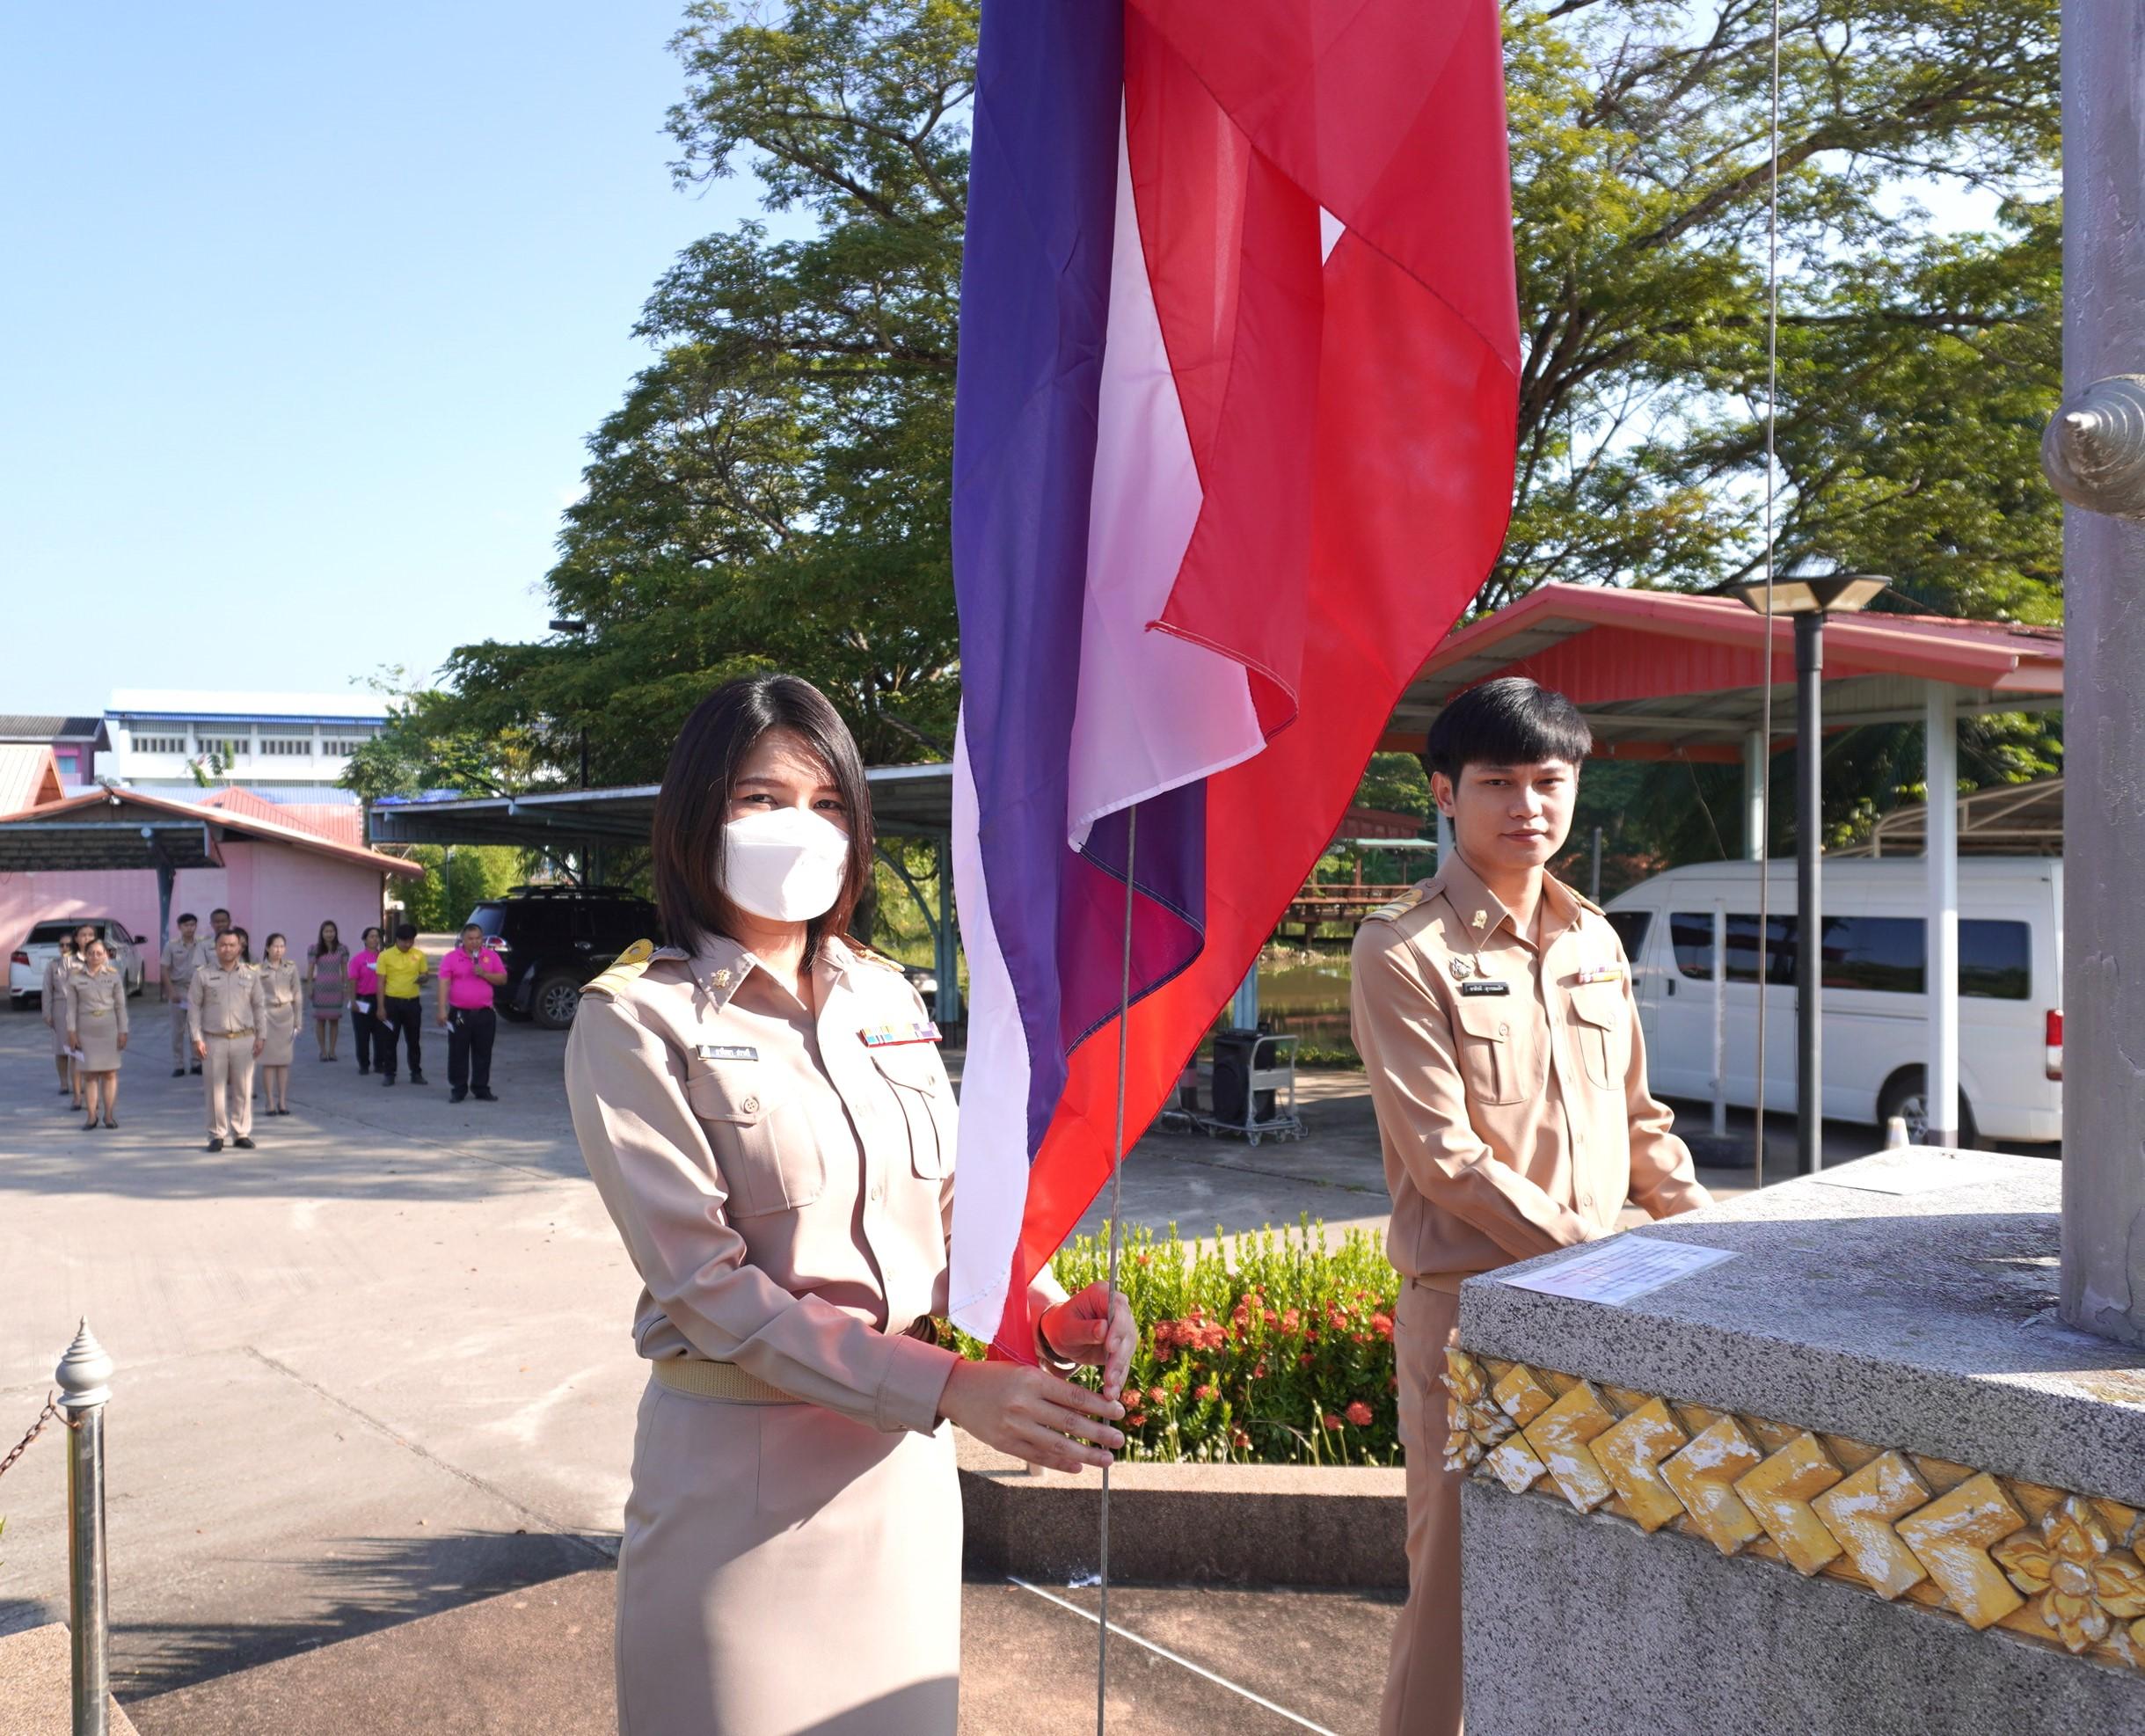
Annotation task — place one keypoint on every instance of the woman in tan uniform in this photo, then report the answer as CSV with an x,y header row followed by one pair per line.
x,y
53,1003
97,1029
279,990
764,1110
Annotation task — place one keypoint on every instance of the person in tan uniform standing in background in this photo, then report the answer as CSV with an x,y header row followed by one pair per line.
x,y
182,957
53,1003
1492,1008
227,1017
764,1111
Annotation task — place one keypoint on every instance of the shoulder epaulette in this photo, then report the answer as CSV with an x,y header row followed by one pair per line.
x,y
1399,907
866,955
624,969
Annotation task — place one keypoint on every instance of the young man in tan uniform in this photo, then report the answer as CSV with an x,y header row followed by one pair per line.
x,y
226,1017
182,957
1492,1008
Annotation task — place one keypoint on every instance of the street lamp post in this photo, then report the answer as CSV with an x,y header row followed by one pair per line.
x,y
1810,597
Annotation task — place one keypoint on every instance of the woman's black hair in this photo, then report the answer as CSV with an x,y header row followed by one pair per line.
x,y
686,838
320,939
271,941
245,944
1509,721
371,930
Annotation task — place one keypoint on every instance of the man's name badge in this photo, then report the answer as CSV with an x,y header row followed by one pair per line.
x,y
885,1036
729,1052
1602,973
1487,985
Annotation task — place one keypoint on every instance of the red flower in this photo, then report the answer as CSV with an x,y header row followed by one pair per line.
x,y
1258,1372
1137,1420
1304,1360
1332,1421
1159,1394
1207,1395
1381,1324
1359,1414
1240,1440
1272,1319
1291,1320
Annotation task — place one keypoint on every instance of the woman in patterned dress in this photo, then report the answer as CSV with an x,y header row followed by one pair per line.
x,y
279,996
54,1003
327,978
97,1029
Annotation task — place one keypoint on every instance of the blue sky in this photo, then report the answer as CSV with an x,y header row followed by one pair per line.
x,y
305,314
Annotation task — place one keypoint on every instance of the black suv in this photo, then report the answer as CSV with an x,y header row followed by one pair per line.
x,y
552,939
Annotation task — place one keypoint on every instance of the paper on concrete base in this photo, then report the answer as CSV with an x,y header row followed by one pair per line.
x,y
1618,1270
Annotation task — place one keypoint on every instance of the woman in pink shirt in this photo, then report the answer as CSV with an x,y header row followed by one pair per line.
x,y
365,996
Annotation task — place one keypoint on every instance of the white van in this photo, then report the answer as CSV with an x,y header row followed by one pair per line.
x,y
1876,1006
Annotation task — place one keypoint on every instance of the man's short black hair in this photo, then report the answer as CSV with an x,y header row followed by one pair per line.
x,y
1509,721
188,916
405,931
218,911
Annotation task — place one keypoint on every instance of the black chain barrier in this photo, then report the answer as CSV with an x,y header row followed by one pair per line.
x,y
51,1410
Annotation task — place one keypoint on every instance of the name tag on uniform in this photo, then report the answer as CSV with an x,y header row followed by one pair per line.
x,y
1487,986
1602,973
729,1052
885,1036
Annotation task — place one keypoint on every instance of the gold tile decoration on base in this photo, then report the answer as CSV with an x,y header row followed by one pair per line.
x,y
1631,1453
1861,1512
2086,1585
1559,1437
1703,1476
1951,1537
2053,1565
1779,1492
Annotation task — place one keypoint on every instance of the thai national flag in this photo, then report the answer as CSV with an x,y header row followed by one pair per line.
x,y
1233,447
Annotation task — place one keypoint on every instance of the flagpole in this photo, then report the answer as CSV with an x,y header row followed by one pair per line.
x,y
1117,1171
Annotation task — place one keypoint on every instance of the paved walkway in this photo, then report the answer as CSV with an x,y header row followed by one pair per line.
x,y
379,1366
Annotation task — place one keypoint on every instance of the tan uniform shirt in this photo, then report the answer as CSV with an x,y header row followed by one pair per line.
x,y
783,1186
1509,1078
181,959
59,976
221,1002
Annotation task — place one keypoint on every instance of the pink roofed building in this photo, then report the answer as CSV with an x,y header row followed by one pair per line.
x,y
277,868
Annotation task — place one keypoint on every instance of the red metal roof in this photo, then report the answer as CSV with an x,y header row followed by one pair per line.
x,y
1669,666
341,823
227,817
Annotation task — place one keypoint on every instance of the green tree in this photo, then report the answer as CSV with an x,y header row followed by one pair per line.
x,y
774,488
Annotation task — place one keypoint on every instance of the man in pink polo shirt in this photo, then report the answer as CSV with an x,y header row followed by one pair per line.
x,y
467,977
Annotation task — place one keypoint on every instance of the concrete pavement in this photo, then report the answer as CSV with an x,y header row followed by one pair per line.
x,y
379,1366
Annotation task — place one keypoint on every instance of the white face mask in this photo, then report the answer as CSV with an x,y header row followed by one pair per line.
x,y
785,865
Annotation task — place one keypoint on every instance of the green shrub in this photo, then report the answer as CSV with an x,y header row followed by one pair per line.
x,y
1282,1355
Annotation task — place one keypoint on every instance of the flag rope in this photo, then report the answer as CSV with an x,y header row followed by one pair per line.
x,y
1117,1171
1765,727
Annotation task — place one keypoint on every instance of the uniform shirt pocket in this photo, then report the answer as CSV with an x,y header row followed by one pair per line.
x,y
1490,1057
762,1139
1601,1020
925,1098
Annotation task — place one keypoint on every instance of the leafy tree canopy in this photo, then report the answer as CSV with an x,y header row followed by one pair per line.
x,y
774,490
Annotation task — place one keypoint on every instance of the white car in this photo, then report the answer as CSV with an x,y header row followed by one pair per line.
x,y
25,968
1876,1008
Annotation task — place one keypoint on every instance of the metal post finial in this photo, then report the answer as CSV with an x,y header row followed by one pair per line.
x,y
2094,450
84,1373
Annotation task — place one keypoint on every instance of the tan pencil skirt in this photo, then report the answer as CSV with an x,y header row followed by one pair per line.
x,y
785,1569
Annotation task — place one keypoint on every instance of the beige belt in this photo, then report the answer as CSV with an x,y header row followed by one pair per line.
x,y
227,1034
717,1379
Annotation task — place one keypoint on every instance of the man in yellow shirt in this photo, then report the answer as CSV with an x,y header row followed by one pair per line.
x,y
402,969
